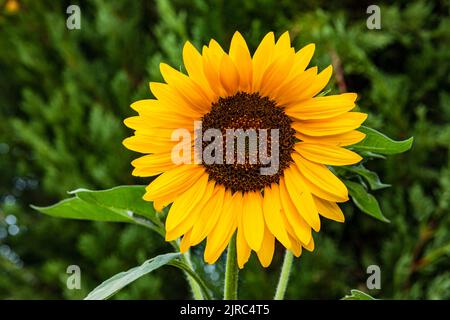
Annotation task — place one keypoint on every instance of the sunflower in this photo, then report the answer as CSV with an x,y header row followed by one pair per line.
x,y
273,89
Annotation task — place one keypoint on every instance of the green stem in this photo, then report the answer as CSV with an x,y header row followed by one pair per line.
x,y
231,272
195,288
183,266
284,276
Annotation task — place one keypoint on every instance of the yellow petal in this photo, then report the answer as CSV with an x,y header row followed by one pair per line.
x,y
262,58
186,88
329,210
310,245
300,62
169,97
332,126
215,46
224,222
186,224
212,58
319,82
320,180
290,90
174,182
150,144
194,65
301,197
272,214
151,113
220,236
330,155
186,202
296,247
242,247
289,228
166,119
152,164
159,204
229,75
341,140
140,125
253,220
301,228
147,107
322,107
185,243
265,254
208,216
283,42
212,258
242,59
276,72
282,46
302,58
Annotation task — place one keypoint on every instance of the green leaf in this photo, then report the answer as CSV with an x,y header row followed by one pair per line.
x,y
377,142
365,201
370,155
358,295
120,280
124,198
119,204
370,176
75,208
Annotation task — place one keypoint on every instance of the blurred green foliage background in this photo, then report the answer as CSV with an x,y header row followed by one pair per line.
x,y
64,93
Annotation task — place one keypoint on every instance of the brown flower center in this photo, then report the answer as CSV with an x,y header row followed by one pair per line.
x,y
248,111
